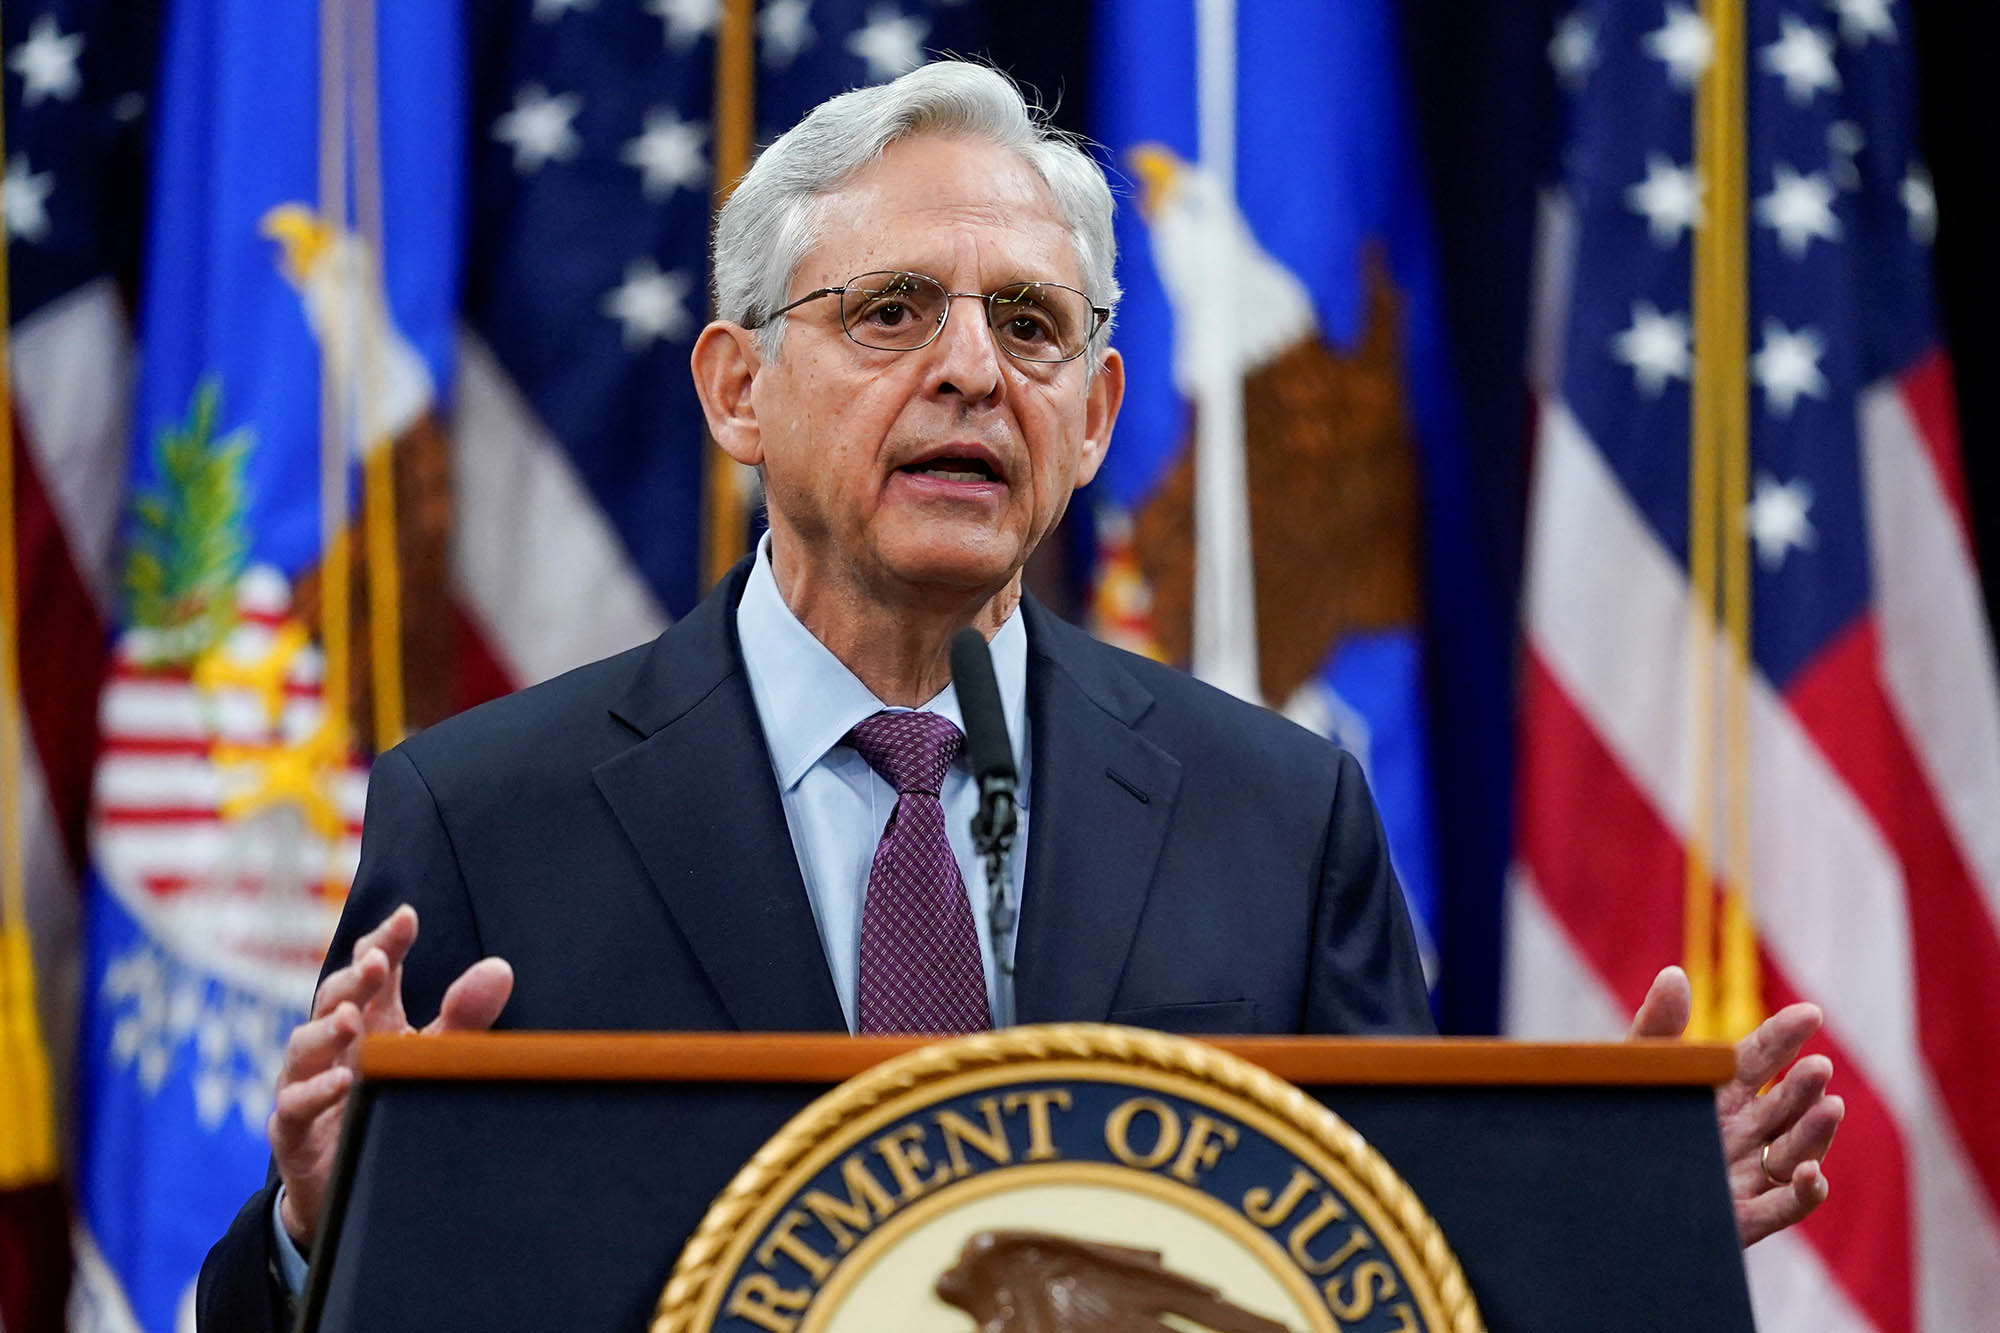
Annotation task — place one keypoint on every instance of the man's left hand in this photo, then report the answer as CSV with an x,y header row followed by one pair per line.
x,y
1795,1117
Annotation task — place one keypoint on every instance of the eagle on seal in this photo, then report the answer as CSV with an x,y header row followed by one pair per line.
x,y
1039,1282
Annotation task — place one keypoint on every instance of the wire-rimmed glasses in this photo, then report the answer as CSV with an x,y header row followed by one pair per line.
x,y
903,312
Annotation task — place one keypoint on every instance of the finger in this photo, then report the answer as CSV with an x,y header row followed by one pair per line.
x,y
380,992
359,983
315,1045
1764,1118
1775,1043
1779,1208
394,936
1807,1142
1668,1004
474,1001
299,1105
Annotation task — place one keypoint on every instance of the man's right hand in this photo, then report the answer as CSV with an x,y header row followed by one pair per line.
x,y
363,997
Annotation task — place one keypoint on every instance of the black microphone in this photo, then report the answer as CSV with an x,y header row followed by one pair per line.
x,y
991,755
987,748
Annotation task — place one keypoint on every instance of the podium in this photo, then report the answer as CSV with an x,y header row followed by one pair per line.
x,y
534,1180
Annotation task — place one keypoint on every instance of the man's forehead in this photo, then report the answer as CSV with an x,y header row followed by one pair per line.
x,y
919,165
933,203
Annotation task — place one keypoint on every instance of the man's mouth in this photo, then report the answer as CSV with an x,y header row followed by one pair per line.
x,y
960,461
953,468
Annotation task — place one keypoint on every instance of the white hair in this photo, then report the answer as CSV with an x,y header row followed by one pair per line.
x,y
774,217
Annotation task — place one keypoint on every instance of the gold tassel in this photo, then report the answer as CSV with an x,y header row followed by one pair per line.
x,y
28,1131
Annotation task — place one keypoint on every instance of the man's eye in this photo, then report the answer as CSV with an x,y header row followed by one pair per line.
x,y
1025,324
889,313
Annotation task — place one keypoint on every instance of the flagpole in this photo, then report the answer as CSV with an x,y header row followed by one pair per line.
x,y
1739,1004
1721,962
1224,640
334,606
725,500
385,599
28,1154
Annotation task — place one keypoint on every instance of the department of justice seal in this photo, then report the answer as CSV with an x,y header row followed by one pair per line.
x,y
1067,1177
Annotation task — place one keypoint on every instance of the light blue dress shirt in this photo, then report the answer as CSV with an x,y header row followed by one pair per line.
x,y
836,806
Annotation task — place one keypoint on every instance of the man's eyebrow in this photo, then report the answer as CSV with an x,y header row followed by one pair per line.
x,y
1016,278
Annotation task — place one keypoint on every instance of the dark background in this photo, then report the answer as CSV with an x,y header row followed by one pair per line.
x,y
1486,112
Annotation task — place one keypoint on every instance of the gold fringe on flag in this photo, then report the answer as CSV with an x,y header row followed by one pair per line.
x,y
27,1106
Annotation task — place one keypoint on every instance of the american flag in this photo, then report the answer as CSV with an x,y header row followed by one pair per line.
x,y
1872,710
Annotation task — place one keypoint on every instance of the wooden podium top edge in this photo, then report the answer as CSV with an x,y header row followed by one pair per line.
x,y
728,1057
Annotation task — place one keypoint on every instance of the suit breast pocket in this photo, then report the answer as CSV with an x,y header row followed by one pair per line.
x,y
1207,1017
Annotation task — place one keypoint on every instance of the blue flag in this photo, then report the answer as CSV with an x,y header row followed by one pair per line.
x,y
235,729
1284,344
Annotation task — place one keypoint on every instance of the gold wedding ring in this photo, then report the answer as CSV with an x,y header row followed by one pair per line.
x,y
1764,1160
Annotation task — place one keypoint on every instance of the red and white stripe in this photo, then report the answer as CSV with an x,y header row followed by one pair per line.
x,y
248,901
1875,787
538,572
72,363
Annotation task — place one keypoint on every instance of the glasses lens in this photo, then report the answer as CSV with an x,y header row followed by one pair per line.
x,y
1040,321
892,311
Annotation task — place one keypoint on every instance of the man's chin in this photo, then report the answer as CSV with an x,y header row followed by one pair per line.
x,y
951,568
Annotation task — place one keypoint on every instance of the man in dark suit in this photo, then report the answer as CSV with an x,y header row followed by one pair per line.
x,y
756,820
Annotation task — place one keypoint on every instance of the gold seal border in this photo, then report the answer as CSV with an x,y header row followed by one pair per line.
x,y
833,1115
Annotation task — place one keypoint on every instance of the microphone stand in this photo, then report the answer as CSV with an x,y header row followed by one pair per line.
x,y
991,756
993,830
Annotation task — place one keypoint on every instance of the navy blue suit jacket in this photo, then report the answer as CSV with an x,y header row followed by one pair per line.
x,y
1196,864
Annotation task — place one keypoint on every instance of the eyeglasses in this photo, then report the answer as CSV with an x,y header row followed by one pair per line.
x,y
902,312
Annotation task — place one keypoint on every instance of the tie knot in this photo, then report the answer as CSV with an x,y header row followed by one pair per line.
x,y
910,750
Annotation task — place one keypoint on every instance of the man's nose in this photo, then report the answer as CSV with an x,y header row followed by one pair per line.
x,y
965,358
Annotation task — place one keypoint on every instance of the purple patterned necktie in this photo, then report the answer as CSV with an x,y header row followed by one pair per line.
x,y
920,968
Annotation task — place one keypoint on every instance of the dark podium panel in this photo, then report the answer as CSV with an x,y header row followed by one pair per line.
x,y
545,1181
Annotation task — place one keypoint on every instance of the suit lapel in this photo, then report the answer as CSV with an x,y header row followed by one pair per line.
x,y
1102,801
697,799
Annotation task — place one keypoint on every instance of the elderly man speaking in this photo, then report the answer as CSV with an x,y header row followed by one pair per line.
x,y
759,819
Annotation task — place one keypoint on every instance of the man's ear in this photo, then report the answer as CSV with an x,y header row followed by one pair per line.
x,y
1102,398
725,362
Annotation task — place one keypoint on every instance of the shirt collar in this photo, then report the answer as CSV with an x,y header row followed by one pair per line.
x,y
806,697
